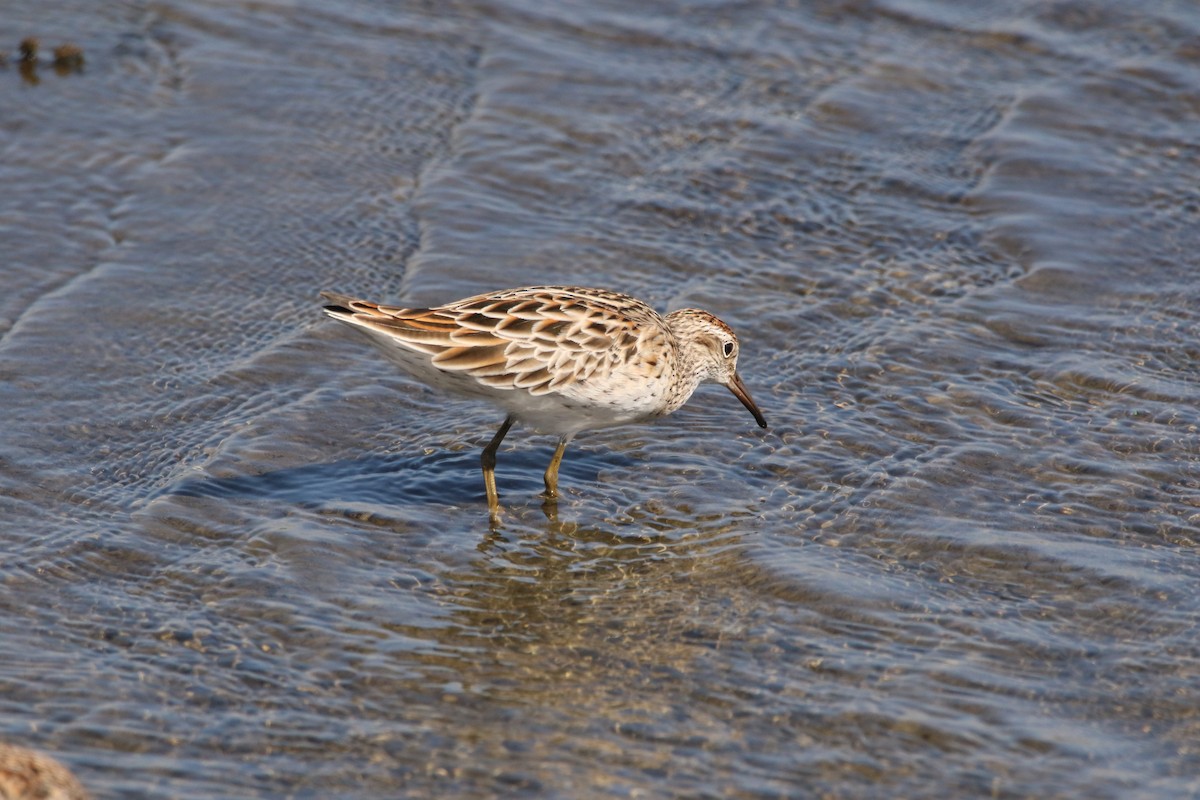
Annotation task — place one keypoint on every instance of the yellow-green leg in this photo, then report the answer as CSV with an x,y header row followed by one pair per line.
x,y
551,475
488,460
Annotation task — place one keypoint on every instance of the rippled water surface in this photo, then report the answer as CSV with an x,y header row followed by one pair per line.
x,y
242,556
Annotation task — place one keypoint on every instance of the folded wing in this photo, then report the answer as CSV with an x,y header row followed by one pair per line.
x,y
541,339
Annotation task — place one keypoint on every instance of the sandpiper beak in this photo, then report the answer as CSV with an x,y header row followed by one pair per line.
x,y
740,392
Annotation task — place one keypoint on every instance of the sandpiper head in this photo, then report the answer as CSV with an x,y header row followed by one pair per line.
x,y
711,348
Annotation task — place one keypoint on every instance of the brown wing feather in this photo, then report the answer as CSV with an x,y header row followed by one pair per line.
x,y
470,359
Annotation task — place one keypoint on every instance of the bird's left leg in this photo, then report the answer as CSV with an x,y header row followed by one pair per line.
x,y
551,475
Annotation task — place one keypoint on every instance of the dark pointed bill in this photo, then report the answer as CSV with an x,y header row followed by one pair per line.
x,y
740,392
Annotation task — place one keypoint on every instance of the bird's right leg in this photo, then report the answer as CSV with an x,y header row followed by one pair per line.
x,y
488,460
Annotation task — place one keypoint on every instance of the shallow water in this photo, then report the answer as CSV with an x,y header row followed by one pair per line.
x,y
244,557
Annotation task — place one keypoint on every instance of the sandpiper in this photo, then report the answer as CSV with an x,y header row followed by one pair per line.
x,y
558,359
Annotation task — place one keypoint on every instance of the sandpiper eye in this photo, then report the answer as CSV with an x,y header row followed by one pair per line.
x,y
728,349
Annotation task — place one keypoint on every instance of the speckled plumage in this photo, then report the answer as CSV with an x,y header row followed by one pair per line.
x,y
29,775
559,359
